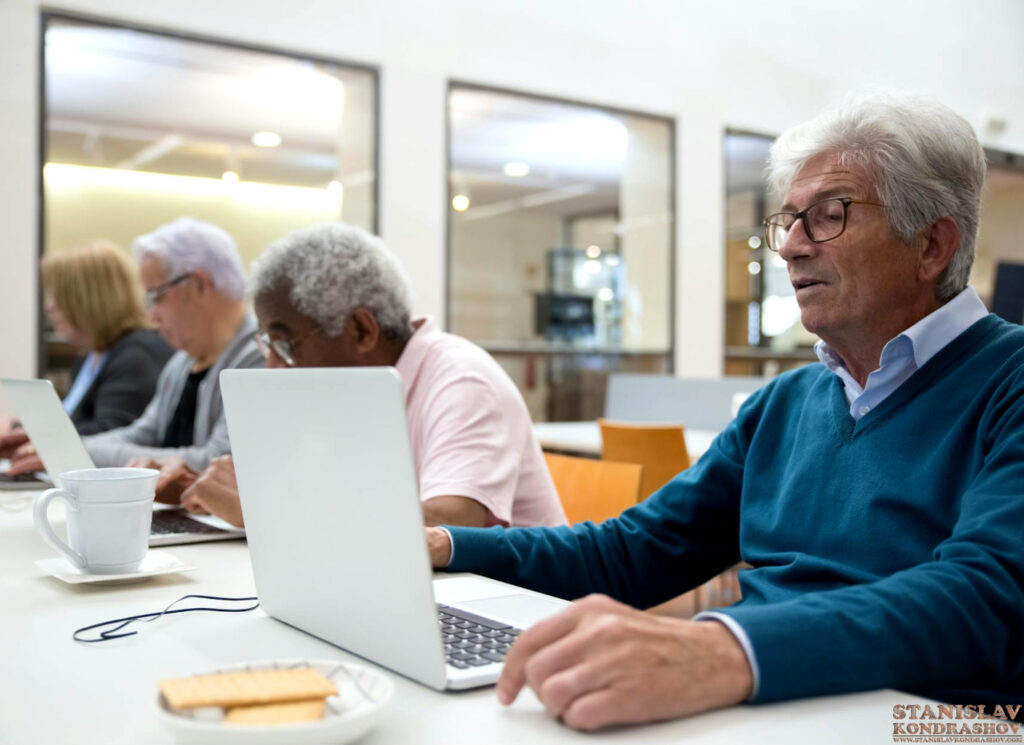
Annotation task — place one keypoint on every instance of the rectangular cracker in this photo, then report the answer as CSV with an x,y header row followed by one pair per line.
x,y
293,711
242,688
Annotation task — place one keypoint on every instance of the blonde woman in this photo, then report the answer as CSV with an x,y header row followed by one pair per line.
x,y
94,299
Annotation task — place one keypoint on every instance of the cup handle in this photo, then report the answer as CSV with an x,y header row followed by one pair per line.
x,y
43,524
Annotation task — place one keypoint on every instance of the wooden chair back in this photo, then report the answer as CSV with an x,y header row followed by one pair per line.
x,y
594,489
659,448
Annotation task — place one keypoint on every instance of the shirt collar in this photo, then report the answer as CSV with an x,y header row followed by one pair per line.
x,y
926,337
415,351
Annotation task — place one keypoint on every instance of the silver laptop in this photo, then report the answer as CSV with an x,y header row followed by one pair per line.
x,y
37,405
335,528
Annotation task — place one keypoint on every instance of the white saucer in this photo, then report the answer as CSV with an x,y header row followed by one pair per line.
x,y
155,563
362,696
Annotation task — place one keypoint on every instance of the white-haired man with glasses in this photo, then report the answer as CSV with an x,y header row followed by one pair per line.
x,y
333,295
195,291
878,497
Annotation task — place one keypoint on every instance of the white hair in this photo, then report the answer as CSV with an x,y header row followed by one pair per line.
x,y
187,245
332,269
924,160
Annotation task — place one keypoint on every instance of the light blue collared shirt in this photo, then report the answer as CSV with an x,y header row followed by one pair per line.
x,y
901,357
907,352
87,375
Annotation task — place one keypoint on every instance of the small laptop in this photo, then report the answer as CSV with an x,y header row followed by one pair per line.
x,y
335,528
37,405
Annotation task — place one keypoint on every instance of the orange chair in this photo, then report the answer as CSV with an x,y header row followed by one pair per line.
x,y
593,489
659,448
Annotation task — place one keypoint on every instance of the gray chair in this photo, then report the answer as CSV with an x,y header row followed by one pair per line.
x,y
691,402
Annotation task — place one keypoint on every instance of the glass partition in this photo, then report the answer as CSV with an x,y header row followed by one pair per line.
x,y
560,248
141,127
763,335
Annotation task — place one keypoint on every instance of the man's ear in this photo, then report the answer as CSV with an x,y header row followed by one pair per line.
x,y
942,240
202,281
366,330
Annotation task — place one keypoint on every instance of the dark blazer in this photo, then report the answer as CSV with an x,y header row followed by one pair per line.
x,y
121,391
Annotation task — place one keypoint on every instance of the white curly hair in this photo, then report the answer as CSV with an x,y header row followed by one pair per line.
x,y
333,268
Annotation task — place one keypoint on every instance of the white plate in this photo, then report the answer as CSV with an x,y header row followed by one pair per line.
x,y
362,694
155,563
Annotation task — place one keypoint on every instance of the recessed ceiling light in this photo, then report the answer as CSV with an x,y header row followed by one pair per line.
x,y
460,203
593,252
266,139
754,267
516,168
229,177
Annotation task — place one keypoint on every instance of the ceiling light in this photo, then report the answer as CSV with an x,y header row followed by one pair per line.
x,y
611,260
592,267
335,188
266,139
754,242
754,267
593,252
516,169
605,294
460,203
229,177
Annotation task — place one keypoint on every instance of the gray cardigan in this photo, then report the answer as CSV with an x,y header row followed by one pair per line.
x,y
139,439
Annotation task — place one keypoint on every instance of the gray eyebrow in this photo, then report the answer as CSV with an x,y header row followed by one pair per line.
x,y
832,193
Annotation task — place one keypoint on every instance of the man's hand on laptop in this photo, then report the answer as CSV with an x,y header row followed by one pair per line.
x,y
440,547
24,459
175,476
600,663
10,442
215,492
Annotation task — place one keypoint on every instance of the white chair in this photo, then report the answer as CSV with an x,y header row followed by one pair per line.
x,y
694,403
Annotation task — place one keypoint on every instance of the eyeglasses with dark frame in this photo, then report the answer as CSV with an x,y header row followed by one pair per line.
x,y
283,348
155,295
823,221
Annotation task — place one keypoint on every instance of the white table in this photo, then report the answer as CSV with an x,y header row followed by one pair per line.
x,y
584,438
55,690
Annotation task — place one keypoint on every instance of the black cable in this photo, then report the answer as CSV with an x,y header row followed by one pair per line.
x,y
109,634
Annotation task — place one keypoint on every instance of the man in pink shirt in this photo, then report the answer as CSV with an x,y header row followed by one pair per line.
x,y
332,295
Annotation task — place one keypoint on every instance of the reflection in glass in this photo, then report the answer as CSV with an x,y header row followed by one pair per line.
x,y
561,243
141,128
762,319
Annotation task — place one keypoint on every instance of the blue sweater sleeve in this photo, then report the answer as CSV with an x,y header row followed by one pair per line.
x,y
681,536
952,622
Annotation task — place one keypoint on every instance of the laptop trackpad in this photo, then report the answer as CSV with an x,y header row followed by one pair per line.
x,y
519,610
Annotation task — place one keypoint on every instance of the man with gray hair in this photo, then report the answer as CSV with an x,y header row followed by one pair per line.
x,y
877,496
333,295
195,291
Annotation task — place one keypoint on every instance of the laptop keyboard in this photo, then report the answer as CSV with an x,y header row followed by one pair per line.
x,y
471,640
175,522
21,478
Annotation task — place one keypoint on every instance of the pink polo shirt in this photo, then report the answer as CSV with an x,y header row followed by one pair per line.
x,y
470,430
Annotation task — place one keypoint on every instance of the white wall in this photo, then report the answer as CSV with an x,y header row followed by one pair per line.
x,y
745,63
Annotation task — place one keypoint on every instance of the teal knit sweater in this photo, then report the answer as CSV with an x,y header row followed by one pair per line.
x,y
886,552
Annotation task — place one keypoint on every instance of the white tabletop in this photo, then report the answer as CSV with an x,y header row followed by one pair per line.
x,y
584,438
56,690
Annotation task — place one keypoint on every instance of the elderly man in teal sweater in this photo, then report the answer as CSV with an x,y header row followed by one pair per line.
x,y
878,497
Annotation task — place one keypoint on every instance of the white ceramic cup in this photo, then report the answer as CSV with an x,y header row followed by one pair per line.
x,y
109,511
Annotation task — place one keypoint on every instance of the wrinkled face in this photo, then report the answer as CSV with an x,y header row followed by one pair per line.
x,y
855,282
310,346
174,311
